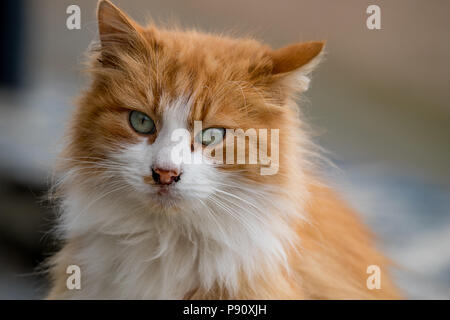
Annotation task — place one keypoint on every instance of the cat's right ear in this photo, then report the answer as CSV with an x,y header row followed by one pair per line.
x,y
117,32
293,64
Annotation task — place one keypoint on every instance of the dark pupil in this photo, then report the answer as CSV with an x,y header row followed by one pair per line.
x,y
141,122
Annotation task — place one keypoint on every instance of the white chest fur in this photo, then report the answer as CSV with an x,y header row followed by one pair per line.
x,y
126,252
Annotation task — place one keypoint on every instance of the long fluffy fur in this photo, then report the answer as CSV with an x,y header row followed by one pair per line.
x,y
232,233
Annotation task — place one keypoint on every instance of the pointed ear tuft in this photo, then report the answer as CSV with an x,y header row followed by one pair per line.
x,y
118,34
292,64
114,26
294,57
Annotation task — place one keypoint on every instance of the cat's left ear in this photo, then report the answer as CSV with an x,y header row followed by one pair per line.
x,y
294,63
118,33
114,25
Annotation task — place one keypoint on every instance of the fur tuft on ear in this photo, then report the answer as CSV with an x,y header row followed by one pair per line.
x,y
118,33
113,23
295,62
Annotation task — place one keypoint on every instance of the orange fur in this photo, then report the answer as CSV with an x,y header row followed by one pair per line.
x,y
238,83
335,252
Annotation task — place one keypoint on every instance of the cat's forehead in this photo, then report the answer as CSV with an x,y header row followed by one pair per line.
x,y
223,78
194,47
135,67
212,71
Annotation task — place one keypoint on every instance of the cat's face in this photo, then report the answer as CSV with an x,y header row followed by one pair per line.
x,y
150,85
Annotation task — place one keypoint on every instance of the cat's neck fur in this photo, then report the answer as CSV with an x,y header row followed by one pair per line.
x,y
125,251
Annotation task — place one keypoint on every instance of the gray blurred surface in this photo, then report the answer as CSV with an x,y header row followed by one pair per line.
x,y
379,103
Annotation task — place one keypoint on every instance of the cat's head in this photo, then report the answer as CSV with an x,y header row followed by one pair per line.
x,y
151,85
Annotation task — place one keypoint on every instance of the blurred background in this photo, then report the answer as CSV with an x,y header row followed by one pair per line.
x,y
380,103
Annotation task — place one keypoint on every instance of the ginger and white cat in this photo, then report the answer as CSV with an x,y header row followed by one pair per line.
x,y
142,226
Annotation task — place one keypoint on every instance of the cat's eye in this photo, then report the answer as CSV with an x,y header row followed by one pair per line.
x,y
142,123
211,136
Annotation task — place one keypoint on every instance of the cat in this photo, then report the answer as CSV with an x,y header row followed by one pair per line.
x,y
140,225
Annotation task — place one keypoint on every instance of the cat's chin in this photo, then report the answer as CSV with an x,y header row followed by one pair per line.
x,y
166,197
165,191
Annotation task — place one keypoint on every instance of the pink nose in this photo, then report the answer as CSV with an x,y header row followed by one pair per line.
x,y
163,176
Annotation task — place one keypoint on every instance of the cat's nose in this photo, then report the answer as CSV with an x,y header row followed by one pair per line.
x,y
163,176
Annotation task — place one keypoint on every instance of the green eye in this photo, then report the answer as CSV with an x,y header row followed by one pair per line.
x,y
141,122
211,136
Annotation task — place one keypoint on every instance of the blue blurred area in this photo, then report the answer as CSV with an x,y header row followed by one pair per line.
x,y
411,220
